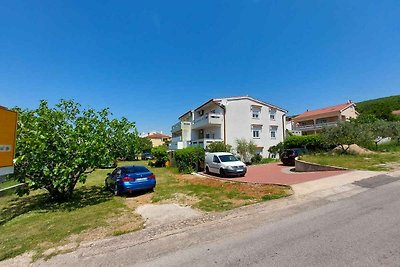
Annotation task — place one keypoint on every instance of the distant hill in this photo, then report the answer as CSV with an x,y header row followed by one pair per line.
x,y
380,107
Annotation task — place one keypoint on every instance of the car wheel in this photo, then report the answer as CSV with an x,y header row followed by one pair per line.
x,y
207,170
222,172
116,192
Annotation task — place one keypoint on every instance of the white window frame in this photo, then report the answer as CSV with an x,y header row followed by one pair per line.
x,y
256,131
272,114
255,112
273,131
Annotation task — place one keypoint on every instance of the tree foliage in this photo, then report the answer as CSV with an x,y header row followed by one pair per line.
x,y
276,150
160,154
57,147
123,137
246,149
367,133
144,144
218,147
381,108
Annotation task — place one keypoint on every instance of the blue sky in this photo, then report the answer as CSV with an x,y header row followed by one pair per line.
x,y
151,61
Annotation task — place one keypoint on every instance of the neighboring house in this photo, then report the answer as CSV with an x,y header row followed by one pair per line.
x,y
311,122
228,119
157,139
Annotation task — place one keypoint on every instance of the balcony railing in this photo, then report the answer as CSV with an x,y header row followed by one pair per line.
x,y
316,126
204,142
207,120
180,125
178,145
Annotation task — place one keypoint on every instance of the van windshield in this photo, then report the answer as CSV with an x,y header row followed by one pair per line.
x,y
227,158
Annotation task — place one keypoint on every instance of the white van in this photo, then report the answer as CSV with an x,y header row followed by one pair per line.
x,y
224,164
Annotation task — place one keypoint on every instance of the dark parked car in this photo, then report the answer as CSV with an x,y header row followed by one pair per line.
x,y
128,179
288,156
147,156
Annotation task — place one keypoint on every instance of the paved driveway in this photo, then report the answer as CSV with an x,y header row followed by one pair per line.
x,y
276,173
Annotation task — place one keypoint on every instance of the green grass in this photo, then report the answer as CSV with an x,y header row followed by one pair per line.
x,y
371,162
8,183
33,223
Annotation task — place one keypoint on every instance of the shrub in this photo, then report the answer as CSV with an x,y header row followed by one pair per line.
x,y
161,155
246,149
276,150
189,159
218,147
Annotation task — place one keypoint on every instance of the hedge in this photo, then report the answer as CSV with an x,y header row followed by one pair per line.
x,y
189,159
312,142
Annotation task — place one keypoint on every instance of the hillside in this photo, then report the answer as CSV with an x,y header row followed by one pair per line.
x,y
391,103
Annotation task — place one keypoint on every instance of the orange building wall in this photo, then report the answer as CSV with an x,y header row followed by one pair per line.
x,y
8,126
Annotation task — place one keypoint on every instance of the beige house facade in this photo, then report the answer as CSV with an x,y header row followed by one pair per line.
x,y
313,121
157,139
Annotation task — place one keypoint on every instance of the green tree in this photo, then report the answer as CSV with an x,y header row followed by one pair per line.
x,y
246,149
276,150
160,154
122,138
218,147
145,145
346,134
57,147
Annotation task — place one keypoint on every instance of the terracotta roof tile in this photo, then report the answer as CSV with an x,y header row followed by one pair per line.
x,y
158,135
322,111
396,112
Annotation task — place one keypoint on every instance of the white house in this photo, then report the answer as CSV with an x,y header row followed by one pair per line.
x,y
228,119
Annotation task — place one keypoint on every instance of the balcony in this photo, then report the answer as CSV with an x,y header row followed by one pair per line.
x,y
180,126
316,126
178,145
207,121
205,142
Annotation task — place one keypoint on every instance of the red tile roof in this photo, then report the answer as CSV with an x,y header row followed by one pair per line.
x,y
396,112
322,111
158,136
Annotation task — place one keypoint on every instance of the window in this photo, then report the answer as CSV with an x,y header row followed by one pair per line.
x,y
255,112
273,131
256,131
272,114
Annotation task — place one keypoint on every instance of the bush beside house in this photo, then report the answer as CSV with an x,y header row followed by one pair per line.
x,y
190,159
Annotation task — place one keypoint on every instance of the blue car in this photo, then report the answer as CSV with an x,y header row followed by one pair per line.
x,y
127,179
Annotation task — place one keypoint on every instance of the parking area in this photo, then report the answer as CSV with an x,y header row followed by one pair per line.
x,y
276,173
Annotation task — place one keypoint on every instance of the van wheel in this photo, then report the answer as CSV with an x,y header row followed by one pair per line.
x,y
207,170
222,173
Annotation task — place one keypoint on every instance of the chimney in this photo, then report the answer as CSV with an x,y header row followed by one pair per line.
x,y
349,101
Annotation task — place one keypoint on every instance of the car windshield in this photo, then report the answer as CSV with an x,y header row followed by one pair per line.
x,y
227,158
135,169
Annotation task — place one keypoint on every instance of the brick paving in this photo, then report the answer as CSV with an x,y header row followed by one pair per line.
x,y
276,173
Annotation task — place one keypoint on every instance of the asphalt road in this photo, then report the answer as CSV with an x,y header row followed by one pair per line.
x,y
360,229
363,230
